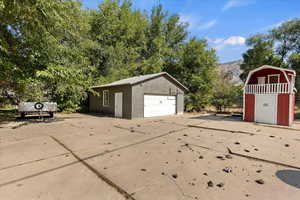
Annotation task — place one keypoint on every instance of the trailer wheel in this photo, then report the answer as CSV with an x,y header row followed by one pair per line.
x,y
51,114
23,115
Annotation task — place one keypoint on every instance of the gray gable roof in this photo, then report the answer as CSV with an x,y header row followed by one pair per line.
x,y
137,79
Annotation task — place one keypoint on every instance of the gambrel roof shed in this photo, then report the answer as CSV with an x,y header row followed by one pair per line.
x,y
269,95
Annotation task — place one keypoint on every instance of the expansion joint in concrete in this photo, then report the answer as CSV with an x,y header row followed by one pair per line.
x,y
119,189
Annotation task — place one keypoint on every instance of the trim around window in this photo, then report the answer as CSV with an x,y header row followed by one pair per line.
x,y
105,99
277,75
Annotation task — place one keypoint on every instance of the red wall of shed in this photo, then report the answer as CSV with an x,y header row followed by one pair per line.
x,y
249,107
283,109
265,73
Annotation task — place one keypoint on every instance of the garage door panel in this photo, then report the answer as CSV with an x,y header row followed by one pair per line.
x,y
155,105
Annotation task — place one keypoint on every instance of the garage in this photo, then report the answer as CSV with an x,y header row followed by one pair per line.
x,y
150,95
157,105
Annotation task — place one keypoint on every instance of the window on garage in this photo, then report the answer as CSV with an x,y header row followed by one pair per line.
x,y
105,98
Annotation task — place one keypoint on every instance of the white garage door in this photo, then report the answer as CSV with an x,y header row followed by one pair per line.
x,y
266,108
155,105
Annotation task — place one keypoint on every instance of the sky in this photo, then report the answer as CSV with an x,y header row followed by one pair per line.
x,y
226,24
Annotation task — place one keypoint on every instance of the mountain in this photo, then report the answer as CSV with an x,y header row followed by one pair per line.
x,y
233,68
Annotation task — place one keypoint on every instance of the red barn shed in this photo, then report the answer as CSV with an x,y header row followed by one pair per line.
x,y
269,96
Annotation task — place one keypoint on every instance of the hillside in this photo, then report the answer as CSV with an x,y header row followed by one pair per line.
x,y
233,68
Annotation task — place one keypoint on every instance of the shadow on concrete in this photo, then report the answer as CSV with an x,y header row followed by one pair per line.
x,y
102,115
44,118
34,117
290,177
37,119
215,117
97,114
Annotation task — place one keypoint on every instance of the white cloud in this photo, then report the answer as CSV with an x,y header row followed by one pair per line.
x,y
208,24
220,43
236,3
217,41
235,40
195,23
188,19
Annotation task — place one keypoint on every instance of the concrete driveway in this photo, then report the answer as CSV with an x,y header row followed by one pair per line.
x,y
79,156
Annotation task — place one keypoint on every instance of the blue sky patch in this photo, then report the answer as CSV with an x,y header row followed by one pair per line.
x,y
224,23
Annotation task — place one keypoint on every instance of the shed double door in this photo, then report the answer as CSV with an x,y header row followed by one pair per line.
x,y
266,108
157,105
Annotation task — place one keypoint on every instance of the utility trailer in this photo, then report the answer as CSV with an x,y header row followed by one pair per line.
x,y
27,108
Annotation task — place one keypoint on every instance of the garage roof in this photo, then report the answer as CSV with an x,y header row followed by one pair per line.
x,y
138,79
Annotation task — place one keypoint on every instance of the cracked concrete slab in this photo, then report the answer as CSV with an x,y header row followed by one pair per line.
x,y
236,125
153,127
54,178
214,140
278,150
156,158
99,141
16,153
160,162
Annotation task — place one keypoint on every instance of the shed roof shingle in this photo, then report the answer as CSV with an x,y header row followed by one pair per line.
x,y
138,79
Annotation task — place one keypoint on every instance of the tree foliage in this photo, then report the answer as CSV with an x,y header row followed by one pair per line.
x,y
197,71
55,50
279,47
294,63
261,53
226,91
35,35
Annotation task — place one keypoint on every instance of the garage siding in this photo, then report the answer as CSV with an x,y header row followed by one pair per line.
x,y
94,105
96,102
157,86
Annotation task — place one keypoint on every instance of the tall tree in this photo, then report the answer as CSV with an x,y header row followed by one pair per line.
x,y
119,33
279,47
294,63
155,46
198,65
287,38
176,37
56,50
36,35
261,53
227,92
